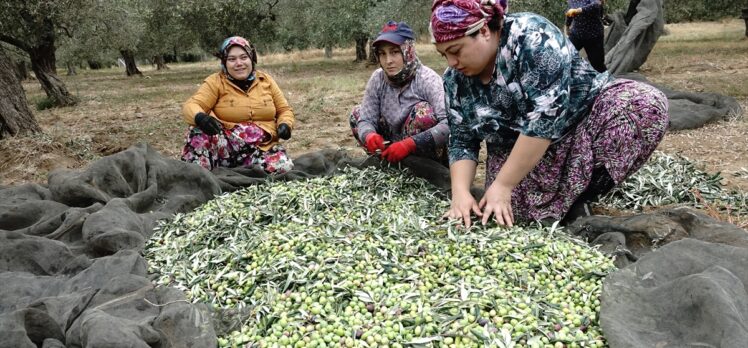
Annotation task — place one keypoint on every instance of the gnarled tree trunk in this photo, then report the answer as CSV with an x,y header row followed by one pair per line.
x,y
41,51
160,63
328,51
43,63
71,69
361,48
94,65
15,115
130,67
372,54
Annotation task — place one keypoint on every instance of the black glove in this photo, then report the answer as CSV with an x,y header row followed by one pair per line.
x,y
209,125
284,131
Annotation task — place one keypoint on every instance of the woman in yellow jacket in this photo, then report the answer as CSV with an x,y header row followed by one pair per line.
x,y
238,115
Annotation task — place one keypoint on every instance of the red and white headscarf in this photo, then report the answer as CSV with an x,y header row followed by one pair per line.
x,y
232,41
453,19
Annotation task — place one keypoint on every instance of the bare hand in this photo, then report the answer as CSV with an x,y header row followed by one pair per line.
x,y
573,12
462,206
498,201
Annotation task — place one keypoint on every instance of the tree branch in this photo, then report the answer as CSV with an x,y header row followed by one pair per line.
x,y
270,9
66,30
15,42
271,5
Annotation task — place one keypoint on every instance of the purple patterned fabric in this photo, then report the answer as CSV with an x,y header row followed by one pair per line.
x,y
421,119
385,107
237,147
453,19
627,122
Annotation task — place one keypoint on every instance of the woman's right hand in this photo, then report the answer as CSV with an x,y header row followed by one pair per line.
x,y
374,142
209,125
463,205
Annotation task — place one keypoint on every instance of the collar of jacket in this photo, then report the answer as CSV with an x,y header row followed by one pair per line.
x,y
258,76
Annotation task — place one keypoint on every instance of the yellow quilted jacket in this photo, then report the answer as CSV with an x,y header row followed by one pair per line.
x,y
263,104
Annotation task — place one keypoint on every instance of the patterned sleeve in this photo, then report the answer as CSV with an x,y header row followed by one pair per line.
x,y
370,108
431,89
544,63
462,144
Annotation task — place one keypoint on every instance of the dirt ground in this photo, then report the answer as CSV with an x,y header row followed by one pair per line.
x,y
116,112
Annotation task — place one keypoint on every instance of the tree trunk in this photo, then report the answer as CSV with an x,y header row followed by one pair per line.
x,y
41,51
372,54
361,48
43,64
160,63
71,69
130,67
15,115
94,65
328,51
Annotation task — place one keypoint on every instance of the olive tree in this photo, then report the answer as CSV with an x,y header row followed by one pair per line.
x,y
213,21
34,26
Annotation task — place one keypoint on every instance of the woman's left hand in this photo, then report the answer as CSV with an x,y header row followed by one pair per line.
x,y
498,201
284,131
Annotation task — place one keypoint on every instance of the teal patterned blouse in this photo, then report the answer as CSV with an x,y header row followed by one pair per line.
x,y
541,88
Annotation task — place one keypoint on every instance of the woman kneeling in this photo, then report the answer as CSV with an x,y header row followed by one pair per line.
x,y
558,133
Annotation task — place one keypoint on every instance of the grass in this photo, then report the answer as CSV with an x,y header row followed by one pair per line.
x,y
702,57
727,29
116,111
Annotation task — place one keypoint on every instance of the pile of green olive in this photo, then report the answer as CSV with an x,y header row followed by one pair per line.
x,y
363,259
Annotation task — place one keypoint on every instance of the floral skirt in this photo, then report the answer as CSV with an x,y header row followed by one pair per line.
x,y
238,147
627,122
421,118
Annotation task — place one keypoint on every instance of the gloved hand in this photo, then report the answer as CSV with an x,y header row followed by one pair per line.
x,y
573,12
209,125
399,150
284,131
374,142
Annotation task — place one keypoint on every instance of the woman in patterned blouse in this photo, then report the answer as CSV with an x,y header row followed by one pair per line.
x,y
403,103
558,133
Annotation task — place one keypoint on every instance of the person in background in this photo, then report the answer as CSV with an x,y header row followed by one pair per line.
x,y
238,115
558,133
584,24
403,104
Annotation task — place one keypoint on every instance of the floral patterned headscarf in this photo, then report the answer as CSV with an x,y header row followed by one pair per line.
x,y
453,19
223,53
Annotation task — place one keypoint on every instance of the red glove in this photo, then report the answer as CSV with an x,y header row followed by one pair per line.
x,y
374,142
399,150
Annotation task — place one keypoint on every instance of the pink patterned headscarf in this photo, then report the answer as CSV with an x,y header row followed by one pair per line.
x,y
453,19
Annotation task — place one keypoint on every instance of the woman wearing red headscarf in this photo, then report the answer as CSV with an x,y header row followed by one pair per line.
x,y
238,115
558,133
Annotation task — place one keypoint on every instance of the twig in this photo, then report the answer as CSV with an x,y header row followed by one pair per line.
x,y
165,304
